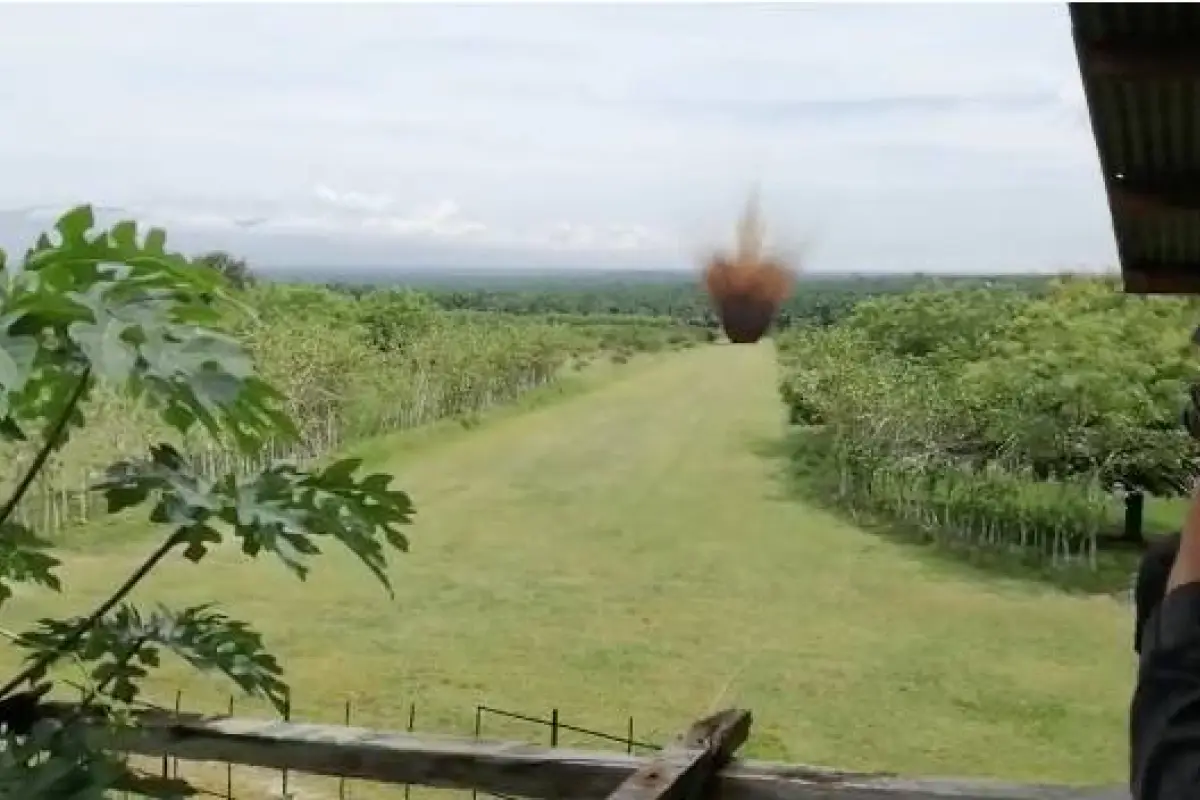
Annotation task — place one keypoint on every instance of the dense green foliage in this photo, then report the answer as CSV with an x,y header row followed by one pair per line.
x,y
89,309
995,415
235,270
820,299
348,367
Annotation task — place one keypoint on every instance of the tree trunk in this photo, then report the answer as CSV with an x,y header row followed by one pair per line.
x,y
1135,504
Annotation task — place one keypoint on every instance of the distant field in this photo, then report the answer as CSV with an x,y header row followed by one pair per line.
x,y
629,549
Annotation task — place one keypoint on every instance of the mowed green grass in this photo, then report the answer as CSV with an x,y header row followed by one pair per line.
x,y
629,550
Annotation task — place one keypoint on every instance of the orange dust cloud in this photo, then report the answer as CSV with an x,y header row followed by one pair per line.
x,y
747,287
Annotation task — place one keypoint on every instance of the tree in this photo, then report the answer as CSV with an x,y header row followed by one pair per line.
x,y
1073,386
235,270
394,318
90,307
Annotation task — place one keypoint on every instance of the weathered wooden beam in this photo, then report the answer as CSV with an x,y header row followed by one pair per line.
x,y
1162,60
520,770
1150,200
1146,278
1155,194
685,768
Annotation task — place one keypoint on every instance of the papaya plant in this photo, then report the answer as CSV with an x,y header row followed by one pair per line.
x,y
87,307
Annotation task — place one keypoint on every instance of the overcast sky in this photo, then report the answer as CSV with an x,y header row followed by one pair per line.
x,y
949,137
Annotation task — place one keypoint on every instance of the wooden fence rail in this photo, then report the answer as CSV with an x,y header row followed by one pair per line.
x,y
698,765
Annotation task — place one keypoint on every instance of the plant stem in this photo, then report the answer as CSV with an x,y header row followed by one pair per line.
x,y
46,660
15,638
53,436
102,687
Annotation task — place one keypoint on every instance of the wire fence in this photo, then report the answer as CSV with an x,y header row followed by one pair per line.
x,y
238,782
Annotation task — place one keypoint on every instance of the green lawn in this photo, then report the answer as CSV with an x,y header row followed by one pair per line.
x,y
629,550
1164,515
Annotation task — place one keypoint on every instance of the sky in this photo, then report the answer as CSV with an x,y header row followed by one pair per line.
x,y
879,137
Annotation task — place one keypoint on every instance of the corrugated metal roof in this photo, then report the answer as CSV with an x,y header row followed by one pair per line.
x,y
1140,64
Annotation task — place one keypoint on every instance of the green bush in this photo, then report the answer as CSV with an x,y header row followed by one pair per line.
x,y
1035,406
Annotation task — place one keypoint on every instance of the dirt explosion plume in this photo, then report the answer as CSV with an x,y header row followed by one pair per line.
x,y
747,287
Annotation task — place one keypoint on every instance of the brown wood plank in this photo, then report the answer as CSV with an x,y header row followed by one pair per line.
x,y
1132,59
685,768
1146,199
518,769
1163,60
1145,278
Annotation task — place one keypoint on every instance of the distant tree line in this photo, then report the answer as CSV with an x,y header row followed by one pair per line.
x,y
818,301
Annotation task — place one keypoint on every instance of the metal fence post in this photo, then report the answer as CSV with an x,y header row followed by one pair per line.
x,y
229,764
412,723
342,781
478,727
287,717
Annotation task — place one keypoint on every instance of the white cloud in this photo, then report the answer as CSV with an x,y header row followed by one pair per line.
x,y
354,201
908,136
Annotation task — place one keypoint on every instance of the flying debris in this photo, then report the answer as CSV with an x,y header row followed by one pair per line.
x,y
748,287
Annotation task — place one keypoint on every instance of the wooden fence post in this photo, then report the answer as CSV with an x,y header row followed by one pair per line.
x,y
684,768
